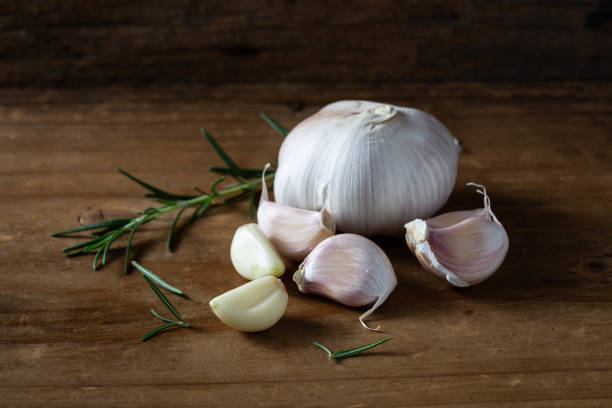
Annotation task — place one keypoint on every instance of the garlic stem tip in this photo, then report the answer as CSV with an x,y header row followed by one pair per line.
x,y
377,328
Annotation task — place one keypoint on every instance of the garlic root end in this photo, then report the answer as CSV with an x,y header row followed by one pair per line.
x,y
298,278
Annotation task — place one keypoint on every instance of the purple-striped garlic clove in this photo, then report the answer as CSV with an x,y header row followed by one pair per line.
x,y
349,269
463,247
293,231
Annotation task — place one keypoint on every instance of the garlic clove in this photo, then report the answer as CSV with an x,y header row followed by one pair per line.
x,y
349,269
254,306
293,231
463,247
253,255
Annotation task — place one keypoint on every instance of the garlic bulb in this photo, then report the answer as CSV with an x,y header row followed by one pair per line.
x,y
349,269
372,165
463,247
254,306
293,231
253,255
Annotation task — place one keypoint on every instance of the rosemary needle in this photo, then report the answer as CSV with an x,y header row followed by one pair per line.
x,y
151,280
350,352
156,279
156,331
283,132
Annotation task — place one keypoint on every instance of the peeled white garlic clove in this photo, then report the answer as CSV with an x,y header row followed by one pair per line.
x,y
463,247
349,269
253,255
293,231
372,165
254,306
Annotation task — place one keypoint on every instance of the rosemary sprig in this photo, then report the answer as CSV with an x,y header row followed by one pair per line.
x,y
105,233
350,352
151,280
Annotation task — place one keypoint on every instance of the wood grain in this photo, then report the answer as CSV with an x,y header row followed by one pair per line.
x,y
58,43
535,334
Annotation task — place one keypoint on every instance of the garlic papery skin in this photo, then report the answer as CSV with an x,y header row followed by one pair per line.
x,y
372,165
253,255
293,231
463,247
349,269
254,306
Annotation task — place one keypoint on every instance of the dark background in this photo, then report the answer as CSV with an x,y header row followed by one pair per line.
x,y
53,43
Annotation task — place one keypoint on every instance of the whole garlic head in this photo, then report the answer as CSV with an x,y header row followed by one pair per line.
x,y
463,247
372,165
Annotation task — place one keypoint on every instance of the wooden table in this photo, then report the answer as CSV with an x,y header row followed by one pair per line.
x,y
538,332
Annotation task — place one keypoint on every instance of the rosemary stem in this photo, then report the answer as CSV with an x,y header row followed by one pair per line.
x,y
247,185
250,184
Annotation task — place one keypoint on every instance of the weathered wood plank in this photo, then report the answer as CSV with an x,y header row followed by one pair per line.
x,y
536,333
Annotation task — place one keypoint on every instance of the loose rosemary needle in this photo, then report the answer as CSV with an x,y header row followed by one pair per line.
x,y
107,232
152,279
350,352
